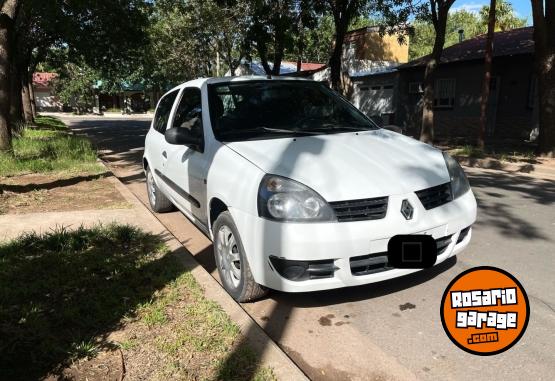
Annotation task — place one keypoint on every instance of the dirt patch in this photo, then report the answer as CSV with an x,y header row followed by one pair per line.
x,y
37,193
108,365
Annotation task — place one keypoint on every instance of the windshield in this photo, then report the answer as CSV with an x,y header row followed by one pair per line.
x,y
273,109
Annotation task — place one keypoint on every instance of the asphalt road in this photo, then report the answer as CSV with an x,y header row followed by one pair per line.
x,y
392,330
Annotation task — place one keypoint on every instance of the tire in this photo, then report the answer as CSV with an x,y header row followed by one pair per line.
x,y
233,267
158,201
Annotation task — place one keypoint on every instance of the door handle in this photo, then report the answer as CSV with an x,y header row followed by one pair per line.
x,y
164,154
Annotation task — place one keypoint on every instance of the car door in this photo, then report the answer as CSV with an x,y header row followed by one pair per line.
x,y
156,143
187,167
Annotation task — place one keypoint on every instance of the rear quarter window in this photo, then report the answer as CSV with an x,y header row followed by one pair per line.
x,y
163,111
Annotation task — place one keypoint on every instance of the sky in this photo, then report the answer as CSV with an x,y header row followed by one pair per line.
x,y
522,7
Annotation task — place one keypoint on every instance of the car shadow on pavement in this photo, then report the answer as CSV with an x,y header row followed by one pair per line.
x,y
500,195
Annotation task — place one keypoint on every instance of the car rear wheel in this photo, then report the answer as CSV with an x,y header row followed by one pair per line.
x,y
234,270
158,201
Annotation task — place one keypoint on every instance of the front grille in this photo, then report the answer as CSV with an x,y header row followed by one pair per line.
x,y
369,264
360,210
435,196
378,262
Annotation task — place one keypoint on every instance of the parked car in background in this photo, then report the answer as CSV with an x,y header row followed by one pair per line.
x,y
298,190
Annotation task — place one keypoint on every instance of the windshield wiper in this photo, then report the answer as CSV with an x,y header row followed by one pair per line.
x,y
270,129
343,128
284,130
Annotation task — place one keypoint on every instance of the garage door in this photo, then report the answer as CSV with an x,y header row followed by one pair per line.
x,y
375,100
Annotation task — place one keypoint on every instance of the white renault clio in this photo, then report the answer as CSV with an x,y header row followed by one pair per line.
x,y
298,190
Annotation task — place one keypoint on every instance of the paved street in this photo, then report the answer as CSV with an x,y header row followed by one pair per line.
x,y
392,330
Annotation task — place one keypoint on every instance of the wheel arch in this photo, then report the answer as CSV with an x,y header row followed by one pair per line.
x,y
215,208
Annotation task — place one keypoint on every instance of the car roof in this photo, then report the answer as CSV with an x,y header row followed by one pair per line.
x,y
199,82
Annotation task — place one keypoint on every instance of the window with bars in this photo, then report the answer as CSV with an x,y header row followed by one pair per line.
x,y
444,93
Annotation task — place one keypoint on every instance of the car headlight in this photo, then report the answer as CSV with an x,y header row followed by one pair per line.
x,y
459,182
283,199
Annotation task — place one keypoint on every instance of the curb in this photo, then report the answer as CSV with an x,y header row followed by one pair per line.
x,y
270,353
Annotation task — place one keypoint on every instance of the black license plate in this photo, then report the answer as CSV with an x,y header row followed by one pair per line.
x,y
412,251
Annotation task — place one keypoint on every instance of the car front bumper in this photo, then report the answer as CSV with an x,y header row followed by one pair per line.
x,y
341,241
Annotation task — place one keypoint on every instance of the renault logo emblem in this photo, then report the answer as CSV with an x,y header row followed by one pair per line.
x,y
407,210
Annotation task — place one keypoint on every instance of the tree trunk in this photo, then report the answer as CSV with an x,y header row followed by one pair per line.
x,y
16,105
544,39
278,47
546,92
26,100
7,16
263,53
337,53
300,44
427,130
33,99
229,59
487,76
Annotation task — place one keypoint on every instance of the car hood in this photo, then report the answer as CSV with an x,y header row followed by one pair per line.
x,y
350,166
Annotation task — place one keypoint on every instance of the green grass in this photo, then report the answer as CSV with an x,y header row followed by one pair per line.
x,y
84,349
243,358
63,292
203,330
50,122
49,148
469,151
128,345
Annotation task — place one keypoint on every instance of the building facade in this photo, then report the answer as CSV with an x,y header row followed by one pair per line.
x,y
45,100
512,104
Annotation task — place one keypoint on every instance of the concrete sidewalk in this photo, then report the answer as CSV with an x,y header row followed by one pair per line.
x,y
271,355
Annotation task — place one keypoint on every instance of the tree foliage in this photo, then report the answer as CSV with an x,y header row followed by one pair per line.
x,y
505,17
106,35
76,86
423,34
186,38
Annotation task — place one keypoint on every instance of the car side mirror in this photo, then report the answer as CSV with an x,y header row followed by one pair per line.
x,y
183,136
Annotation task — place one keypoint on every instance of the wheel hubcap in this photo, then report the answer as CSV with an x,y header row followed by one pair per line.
x,y
151,188
228,256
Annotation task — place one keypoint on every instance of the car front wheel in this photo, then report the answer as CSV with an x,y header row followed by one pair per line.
x,y
234,270
158,201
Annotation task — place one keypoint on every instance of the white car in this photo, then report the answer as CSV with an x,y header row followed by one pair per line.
x,y
298,190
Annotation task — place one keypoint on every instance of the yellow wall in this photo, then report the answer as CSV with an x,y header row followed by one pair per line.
x,y
371,46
